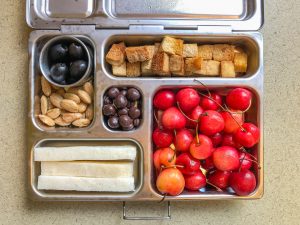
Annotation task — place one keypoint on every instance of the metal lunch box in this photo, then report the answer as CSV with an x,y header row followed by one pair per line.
x,y
103,22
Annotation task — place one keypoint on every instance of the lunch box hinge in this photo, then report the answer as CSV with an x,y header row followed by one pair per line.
x,y
67,28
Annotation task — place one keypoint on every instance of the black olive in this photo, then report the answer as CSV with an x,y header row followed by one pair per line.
x,y
58,52
58,72
78,68
75,51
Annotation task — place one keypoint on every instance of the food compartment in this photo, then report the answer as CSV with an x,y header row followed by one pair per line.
x,y
206,62
64,161
252,115
58,108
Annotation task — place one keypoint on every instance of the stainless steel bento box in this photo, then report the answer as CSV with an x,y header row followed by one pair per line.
x,y
104,22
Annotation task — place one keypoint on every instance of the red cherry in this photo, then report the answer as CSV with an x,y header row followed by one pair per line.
x,y
183,140
188,99
164,99
226,158
208,164
247,137
245,161
211,122
172,119
243,182
194,115
195,181
162,138
216,139
209,104
220,178
239,99
156,159
191,165
203,149
232,124
170,181
228,141
167,157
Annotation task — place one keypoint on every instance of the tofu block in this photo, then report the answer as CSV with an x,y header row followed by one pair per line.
x,y
116,54
160,64
240,62
209,68
140,53
126,152
67,183
223,52
227,69
177,65
96,169
133,69
172,46
190,50
205,51
119,70
192,65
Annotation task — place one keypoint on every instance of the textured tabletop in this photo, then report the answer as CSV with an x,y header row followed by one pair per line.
x,y
280,204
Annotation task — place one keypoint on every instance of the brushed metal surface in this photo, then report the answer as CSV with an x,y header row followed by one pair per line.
x,y
148,86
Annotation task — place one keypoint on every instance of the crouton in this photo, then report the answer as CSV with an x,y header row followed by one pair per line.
x,y
133,69
177,65
119,70
223,52
139,54
190,50
205,51
240,62
209,68
147,68
227,69
160,64
116,54
192,65
238,49
157,47
172,46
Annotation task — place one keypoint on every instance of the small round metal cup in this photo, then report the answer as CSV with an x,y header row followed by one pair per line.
x,y
44,61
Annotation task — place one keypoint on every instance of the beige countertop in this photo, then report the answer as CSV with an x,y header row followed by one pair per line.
x,y
280,204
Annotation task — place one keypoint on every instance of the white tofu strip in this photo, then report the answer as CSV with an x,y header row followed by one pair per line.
x,y
88,169
85,184
127,152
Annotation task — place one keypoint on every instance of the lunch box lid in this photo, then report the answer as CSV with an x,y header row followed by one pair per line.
x,y
236,15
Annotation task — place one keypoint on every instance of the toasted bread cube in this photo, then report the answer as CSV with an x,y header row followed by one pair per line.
x,y
116,54
209,68
223,52
119,70
140,53
177,65
190,50
157,47
238,49
205,51
240,62
192,65
160,64
227,69
133,69
147,68
172,46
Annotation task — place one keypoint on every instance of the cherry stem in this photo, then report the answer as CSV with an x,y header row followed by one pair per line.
x,y
197,134
173,166
242,160
207,89
163,198
244,150
156,119
218,189
196,121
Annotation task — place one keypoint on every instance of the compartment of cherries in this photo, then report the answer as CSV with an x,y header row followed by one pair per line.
x,y
122,108
202,141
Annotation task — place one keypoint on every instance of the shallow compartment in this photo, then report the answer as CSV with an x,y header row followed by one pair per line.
x,y
253,115
35,170
248,43
36,90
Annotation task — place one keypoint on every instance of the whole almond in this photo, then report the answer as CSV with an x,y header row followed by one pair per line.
x,y
72,90
88,87
72,96
37,105
69,105
55,99
84,96
53,113
89,113
59,121
82,107
81,122
47,120
61,92
70,117
55,87
50,106
46,87
44,104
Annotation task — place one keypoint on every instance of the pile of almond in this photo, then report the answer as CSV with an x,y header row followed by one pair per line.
x,y
64,107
